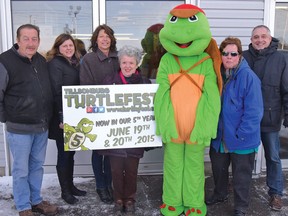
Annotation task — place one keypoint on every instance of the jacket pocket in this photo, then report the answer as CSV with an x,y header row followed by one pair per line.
x,y
271,117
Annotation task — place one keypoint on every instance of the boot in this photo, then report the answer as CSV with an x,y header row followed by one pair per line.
x,y
104,195
66,187
110,191
118,208
75,191
129,208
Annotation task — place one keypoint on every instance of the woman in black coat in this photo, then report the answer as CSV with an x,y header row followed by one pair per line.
x,y
124,162
63,64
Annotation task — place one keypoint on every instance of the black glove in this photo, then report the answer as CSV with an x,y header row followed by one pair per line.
x,y
135,79
285,123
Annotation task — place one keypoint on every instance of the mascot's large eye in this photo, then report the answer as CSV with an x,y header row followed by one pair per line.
x,y
193,18
173,19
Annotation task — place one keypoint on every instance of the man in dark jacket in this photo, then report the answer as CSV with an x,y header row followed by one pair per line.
x,y
272,69
26,108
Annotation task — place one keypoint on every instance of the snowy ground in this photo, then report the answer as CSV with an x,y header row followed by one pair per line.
x,y
50,192
89,205
148,198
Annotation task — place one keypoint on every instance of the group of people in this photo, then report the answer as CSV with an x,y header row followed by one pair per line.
x,y
255,89
31,107
254,94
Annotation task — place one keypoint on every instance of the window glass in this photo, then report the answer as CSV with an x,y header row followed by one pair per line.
x,y
281,32
54,18
130,19
281,24
138,23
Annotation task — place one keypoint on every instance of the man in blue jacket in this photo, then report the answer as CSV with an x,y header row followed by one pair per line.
x,y
272,69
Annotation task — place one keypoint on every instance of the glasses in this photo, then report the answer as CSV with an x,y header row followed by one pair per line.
x,y
233,54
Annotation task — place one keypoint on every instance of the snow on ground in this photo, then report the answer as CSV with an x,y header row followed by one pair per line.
x,y
50,192
149,198
90,205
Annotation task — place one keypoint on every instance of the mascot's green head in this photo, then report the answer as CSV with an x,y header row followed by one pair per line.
x,y
186,31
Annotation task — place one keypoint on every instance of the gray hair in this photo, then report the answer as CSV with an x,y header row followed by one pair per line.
x,y
261,26
131,52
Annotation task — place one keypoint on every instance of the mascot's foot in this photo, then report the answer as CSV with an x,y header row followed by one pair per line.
x,y
171,210
196,211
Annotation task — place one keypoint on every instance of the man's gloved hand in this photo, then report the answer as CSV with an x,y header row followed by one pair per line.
x,y
285,123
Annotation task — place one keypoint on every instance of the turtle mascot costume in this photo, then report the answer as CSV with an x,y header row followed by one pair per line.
x,y
186,106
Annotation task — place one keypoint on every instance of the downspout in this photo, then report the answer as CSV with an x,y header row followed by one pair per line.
x,y
7,153
6,42
269,14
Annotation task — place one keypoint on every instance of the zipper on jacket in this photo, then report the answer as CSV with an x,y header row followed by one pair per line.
x,y
42,93
34,69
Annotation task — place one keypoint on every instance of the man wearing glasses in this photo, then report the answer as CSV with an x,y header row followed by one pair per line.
x,y
272,69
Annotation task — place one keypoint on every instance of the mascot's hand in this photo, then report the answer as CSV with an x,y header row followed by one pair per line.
x,y
194,137
169,129
165,121
170,132
167,132
200,140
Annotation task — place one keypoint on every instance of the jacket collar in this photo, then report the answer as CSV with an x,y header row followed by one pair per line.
x,y
102,56
15,48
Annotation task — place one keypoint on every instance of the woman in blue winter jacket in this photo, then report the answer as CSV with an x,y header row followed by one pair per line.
x,y
238,135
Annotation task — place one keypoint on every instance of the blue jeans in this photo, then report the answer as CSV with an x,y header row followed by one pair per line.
x,y
102,170
274,179
28,151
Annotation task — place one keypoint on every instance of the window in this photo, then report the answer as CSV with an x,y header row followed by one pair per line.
x,y
281,32
138,23
131,19
281,25
54,18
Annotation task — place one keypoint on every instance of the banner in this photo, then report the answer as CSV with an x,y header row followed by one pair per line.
x,y
109,117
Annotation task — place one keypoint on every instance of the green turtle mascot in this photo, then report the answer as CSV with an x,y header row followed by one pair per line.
x,y
186,106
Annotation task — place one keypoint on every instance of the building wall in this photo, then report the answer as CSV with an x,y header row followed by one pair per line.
x,y
233,18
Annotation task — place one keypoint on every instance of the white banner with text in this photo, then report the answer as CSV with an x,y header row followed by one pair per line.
x,y
109,117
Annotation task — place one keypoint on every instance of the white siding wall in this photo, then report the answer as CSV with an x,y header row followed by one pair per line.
x,y
233,18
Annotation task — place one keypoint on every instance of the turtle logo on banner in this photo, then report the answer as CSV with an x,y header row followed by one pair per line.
x,y
74,137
